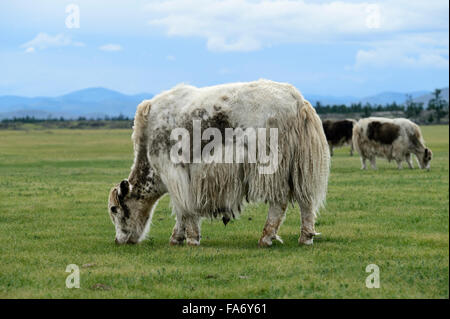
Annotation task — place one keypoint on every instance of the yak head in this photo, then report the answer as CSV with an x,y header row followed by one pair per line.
x,y
425,159
130,211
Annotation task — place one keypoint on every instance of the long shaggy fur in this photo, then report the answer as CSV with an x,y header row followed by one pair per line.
x,y
407,141
219,189
199,189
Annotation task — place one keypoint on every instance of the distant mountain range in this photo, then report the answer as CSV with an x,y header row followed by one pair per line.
x,y
101,102
90,103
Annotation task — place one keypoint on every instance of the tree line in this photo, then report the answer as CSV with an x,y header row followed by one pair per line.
x,y
437,107
30,122
32,119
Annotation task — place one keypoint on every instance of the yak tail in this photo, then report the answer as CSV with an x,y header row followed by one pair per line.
x,y
139,136
356,137
311,164
140,140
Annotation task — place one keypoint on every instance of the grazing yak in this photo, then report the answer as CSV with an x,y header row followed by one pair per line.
x,y
339,133
200,189
394,139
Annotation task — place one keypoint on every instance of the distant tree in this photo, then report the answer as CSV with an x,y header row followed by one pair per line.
x,y
438,105
412,109
356,107
318,107
367,110
393,107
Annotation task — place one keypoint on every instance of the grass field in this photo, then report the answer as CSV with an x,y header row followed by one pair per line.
x,y
54,187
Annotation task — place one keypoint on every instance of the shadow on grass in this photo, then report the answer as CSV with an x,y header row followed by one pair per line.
x,y
241,244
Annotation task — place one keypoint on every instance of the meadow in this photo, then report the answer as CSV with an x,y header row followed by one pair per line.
x,y
54,186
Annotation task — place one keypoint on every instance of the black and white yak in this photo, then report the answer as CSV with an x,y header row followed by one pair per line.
x,y
201,189
393,139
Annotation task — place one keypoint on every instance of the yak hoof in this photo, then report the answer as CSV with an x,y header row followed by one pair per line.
x,y
176,242
265,241
307,239
279,239
192,242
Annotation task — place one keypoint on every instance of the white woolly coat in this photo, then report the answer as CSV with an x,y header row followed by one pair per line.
x,y
409,140
219,189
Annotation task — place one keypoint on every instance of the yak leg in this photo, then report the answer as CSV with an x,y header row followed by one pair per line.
x,y
399,163
373,162
363,163
179,230
409,161
275,218
331,149
307,231
193,230
351,148
186,227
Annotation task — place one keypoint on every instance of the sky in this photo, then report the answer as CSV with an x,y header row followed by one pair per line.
x,y
335,48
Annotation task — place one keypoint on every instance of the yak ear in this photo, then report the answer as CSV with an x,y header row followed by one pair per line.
x,y
124,188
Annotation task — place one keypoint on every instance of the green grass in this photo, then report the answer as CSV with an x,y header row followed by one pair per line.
x,y
53,196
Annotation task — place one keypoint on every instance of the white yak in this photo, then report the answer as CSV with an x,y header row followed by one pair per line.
x,y
394,139
200,189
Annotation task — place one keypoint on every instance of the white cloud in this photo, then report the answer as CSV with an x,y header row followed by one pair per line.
x,y
411,51
43,41
242,43
30,50
384,57
111,47
170,58
247,25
